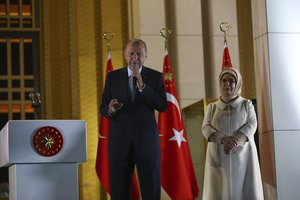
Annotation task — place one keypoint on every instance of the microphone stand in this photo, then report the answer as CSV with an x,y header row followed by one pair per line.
x,y
35,98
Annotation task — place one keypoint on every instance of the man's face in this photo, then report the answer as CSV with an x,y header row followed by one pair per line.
x,y
135,56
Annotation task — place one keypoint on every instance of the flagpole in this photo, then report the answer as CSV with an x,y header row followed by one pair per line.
x,y
224,27
108,36
102,165
226,62
165,33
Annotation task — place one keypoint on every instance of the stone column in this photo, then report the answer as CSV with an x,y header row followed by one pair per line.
x,y
276,31
146,20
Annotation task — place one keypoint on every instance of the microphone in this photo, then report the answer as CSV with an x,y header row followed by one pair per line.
x,y
38,97
31,96
35,98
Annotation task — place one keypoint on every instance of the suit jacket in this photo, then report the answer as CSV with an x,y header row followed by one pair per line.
x,y
135,123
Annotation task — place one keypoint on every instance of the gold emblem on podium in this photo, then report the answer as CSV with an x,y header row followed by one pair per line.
x,y
47,141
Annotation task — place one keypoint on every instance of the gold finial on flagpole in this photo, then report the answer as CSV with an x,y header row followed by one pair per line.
x,y
224,27
165,33
108,36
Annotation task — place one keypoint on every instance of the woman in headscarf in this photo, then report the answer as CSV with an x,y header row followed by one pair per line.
x,y
232,169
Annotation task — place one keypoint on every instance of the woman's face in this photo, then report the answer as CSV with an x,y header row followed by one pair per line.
x,y
228,84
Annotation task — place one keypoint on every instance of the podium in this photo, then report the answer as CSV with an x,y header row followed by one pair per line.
x,y
43,157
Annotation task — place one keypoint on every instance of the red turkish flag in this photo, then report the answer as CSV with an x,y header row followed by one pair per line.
x,y
102,162
226,63
177,172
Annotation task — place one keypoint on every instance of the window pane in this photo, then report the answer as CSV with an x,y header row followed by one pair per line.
x,y
16,96
3,84
16,83
28,57
15,58
3,7
28,83
29,108
3,108
3,57
4,96
14,22
16,108
29,115
16,116
26,7
14,8
27,23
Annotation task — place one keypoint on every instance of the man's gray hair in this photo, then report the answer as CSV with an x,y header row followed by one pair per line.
x,y
136,42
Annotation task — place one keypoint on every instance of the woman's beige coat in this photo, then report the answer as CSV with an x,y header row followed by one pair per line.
x,y
235,176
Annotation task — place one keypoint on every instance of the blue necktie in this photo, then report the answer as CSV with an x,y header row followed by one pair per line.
x,y
132,86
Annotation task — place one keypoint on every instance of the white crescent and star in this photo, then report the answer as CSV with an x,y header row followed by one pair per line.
x,y
172,99
178,135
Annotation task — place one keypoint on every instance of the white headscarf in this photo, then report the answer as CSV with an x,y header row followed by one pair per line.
x,y
238,79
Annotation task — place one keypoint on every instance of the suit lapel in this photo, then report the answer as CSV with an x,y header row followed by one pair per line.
x,y
123,85
144,75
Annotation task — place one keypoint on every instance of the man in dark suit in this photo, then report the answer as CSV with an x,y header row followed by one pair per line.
x,y
130,97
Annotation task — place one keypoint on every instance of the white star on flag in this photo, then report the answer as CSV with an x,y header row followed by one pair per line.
x,y
178,136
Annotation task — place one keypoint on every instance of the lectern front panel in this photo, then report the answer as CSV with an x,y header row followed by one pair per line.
x,y
19,143
43,182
